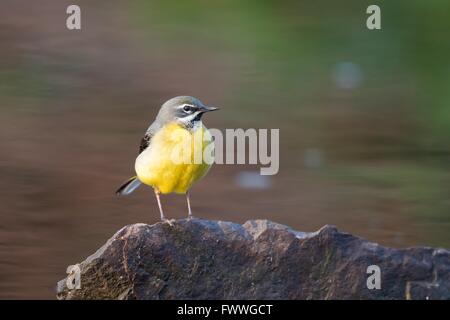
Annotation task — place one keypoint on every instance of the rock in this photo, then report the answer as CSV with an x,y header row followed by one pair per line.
x,y
202,259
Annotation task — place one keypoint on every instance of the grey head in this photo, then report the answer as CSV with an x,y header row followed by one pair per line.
x,y
184,110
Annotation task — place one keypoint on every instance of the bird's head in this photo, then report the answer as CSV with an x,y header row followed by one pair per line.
x,y
184,110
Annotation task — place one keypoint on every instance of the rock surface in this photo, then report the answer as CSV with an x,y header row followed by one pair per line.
x,y
203,259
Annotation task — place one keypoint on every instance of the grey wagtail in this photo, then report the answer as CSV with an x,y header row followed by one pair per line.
x,y
179,118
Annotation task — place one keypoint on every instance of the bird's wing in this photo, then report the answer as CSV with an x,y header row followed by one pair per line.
x,y
146,140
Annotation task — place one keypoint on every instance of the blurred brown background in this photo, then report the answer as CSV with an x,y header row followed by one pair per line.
x,y
364,120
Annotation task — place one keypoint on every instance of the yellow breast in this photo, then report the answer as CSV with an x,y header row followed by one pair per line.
x,y
175,158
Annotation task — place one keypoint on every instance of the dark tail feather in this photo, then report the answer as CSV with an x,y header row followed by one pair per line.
x,y
128,187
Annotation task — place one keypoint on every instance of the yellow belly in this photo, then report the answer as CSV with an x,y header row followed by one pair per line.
x,y
173,162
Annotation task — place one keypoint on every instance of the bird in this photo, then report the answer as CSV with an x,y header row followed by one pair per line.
x,y
177,125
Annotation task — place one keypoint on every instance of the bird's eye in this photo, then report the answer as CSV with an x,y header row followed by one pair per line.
x,y
187,108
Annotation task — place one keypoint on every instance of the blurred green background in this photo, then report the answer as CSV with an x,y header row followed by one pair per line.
x,y
364,119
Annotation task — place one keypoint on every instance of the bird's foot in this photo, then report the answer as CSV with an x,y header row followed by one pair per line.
x,y
168,221
190,217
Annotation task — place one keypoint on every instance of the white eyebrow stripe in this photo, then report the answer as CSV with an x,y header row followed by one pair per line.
x,y
184,105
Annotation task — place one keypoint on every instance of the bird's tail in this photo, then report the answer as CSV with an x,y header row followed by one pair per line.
x,y
128,187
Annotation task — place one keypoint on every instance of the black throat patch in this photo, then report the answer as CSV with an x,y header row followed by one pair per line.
x,y
192,124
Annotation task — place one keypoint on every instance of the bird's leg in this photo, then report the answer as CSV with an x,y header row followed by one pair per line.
x,y
163,218
190,216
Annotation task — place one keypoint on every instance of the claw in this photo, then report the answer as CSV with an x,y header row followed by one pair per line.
x,y
169,221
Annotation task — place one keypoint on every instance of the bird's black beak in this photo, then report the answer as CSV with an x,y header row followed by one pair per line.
x,y
209,109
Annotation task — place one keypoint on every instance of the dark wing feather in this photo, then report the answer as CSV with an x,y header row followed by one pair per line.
x,y
145,142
